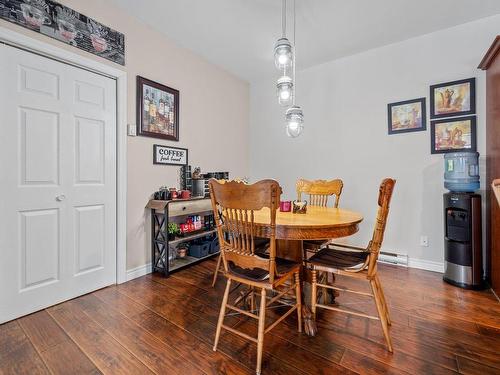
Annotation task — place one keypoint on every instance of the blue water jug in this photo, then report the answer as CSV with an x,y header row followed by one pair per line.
x,y
461,171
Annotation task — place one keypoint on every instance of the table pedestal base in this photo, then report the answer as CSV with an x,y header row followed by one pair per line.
x,y
293,250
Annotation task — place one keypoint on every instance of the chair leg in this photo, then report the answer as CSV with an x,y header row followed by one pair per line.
x,y
382,295
216,270
314,296
298,296
222,313
304,253
323,277
381,314
260,337
252,299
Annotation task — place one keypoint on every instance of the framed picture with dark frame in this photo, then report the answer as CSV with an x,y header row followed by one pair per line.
x,y
406,116
453,135
456,98
157,110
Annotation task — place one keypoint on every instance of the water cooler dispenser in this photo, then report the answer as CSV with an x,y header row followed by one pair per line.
x,y
462,221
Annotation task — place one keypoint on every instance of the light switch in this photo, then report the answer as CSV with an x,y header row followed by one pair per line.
x,y
131,130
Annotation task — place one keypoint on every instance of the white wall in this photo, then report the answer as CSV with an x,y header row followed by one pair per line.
x,y
345,135
214,117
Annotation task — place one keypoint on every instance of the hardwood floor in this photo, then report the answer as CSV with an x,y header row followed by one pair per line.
x,y
166,326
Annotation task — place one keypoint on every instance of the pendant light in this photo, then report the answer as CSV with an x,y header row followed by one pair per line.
x,y
283,55
294,117
284,89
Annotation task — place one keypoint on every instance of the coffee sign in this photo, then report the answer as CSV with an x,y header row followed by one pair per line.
x,y
170,155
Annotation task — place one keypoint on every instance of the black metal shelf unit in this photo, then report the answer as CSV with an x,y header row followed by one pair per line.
x,y
161,214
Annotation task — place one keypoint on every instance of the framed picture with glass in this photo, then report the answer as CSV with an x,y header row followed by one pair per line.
x,y
157,110
453,134
406,116
456,98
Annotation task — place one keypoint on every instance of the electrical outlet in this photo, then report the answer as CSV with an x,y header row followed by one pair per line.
x,y
131,130
424,241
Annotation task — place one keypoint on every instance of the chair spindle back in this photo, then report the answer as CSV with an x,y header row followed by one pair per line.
x,y
234,204
319,191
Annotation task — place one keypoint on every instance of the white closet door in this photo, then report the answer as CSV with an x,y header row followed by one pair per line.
x,y
58,182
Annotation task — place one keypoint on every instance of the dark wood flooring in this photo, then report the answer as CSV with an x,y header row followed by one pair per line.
x,y
166,326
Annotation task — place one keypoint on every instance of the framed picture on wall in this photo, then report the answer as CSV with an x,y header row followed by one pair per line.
x,y
406,116
157,110
455,98
454,134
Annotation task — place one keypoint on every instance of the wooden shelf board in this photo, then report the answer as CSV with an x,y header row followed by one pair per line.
x,y
179,263
191,237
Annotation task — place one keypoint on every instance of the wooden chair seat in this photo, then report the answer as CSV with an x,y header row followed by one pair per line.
x,y
331,257
283,267
261,245
261,248
311,247
315,243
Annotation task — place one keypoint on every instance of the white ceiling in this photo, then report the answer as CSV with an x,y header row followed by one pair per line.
x,y
239,35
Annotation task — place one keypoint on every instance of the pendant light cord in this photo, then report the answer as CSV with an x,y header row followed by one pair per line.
x,y
283,18
294,55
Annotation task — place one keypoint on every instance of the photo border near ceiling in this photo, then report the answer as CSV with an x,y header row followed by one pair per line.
x,y
57,21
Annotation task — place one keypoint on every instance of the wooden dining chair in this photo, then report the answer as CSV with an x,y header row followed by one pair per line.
x,y
261,246
234,205
357,262
319,193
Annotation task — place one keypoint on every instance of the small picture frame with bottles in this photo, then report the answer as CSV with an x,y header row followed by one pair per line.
x,y
157,110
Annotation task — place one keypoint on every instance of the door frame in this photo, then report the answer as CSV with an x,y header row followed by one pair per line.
x,y
49,50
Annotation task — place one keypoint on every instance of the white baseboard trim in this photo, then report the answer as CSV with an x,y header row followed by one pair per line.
x,y
406,261
393,258
134,273
428,265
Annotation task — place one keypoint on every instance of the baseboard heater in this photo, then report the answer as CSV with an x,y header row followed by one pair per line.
x,y
393,258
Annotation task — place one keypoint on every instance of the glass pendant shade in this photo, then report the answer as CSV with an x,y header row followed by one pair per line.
x,y
283,55
294,118
284,90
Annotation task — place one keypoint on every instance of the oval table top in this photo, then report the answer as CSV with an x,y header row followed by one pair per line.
x,y
316,224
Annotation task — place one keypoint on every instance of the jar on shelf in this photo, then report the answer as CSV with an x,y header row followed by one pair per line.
x,y
172,255
182,250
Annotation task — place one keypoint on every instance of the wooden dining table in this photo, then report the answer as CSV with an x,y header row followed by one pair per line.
x,y
318,223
